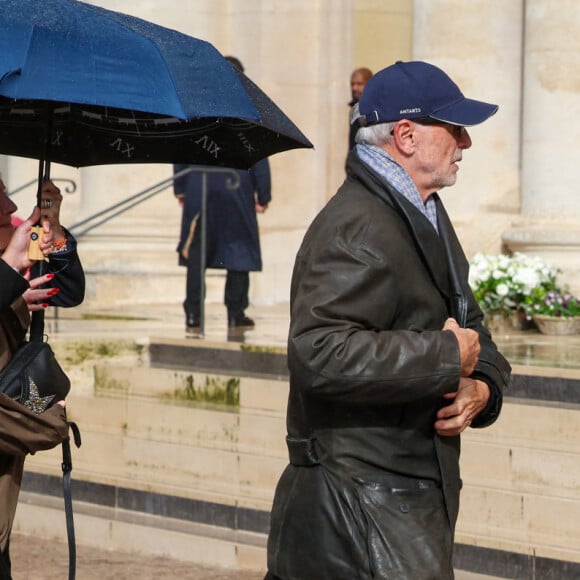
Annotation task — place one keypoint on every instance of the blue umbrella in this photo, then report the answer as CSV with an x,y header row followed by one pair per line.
x,y
55,48
82,85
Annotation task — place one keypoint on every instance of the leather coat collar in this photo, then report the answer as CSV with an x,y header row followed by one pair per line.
x,y
439,251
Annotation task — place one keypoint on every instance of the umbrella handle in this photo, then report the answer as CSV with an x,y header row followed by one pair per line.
x,y
34,251
39,184
43,175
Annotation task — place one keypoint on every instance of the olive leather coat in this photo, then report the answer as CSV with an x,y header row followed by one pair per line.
x,y
371,490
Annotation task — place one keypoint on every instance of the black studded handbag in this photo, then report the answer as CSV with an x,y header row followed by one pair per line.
x,y
34,378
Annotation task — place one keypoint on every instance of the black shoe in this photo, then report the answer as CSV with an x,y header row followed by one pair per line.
x,y
240,322
192,322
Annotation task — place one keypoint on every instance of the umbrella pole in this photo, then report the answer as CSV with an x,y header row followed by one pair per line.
x,y
39,184
43,175
44,164
37,318
203,235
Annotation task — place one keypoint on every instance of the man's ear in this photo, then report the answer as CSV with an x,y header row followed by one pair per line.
x,y
404,136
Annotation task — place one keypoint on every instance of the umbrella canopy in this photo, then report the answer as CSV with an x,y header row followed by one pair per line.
x,y
81,85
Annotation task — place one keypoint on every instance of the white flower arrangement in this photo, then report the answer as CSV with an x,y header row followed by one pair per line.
x,y
501,282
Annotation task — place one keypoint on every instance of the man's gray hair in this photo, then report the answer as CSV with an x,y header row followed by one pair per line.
x,y
378,134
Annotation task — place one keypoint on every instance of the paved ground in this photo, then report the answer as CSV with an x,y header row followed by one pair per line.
x,y
36,559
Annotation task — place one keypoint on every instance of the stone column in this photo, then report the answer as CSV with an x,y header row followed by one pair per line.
x,y
478,43
300,54
551,131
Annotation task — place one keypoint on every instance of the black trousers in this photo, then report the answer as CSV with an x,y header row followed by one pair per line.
x,y
5,564
235,293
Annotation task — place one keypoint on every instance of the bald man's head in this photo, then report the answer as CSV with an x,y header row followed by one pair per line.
x,y
358,80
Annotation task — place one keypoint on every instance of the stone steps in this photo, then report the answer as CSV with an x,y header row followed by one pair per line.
x,y
135,532
194,474
203,472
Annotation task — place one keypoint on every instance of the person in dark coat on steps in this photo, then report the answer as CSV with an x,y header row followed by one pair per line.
x,y
232,242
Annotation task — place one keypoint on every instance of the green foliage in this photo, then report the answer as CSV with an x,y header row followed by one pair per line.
x,y
553,303
104,383
215,390
80,352
90,316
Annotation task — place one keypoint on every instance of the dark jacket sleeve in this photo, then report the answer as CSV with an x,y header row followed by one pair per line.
x,y
354,298
179,183
69,275
262,181
492,368
12,286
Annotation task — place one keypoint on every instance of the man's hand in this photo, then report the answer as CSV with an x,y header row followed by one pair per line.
x,y
469,347
469,400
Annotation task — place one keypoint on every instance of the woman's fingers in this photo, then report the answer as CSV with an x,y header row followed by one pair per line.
x,y
39,281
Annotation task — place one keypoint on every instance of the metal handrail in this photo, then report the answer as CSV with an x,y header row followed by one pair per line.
x,y
69,189
126,204
121,207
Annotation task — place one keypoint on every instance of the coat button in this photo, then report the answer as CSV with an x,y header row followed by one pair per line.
x,y
404,507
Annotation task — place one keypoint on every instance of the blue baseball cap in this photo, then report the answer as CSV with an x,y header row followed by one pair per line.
x,y
414,90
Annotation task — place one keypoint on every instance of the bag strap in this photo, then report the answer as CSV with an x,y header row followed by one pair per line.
x,y
37,326
66,487
37,317
37,334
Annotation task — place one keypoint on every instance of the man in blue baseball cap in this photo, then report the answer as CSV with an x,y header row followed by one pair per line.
x,y
389,361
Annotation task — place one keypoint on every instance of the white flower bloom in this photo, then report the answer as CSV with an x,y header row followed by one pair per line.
x,y
528,277
501,281
503,261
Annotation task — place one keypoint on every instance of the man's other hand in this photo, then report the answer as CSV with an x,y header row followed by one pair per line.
x,y
469,347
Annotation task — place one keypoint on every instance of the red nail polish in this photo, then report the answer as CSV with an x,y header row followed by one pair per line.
x,y
53,291
45,305
50,276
